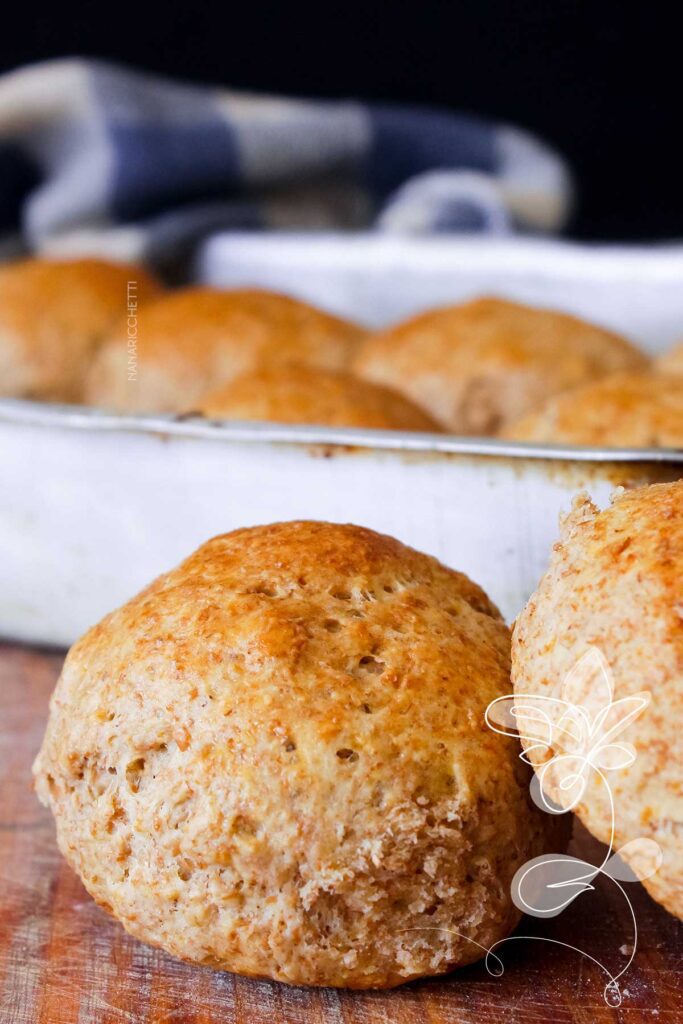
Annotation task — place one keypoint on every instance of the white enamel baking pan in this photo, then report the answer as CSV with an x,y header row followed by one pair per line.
x,y
93,506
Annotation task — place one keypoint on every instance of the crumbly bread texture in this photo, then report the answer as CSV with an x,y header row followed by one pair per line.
x,y
615,582
481,364
274,761
196,339
53,316
625,410
671,361
303,394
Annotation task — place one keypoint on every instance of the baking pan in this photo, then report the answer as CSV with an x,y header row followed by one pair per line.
x,y
93,505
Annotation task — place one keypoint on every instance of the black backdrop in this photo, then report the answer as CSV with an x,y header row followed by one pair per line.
x,y
601,80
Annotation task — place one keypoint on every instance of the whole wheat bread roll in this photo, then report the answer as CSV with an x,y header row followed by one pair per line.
x,y
625,410
274,761
304,394
198,339
479,365
671,361
615,584
54,315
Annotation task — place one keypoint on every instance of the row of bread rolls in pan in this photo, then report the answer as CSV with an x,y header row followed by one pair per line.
x,y
275,759
485,367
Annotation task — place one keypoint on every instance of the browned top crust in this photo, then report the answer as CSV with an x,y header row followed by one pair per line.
x,y
53,315
303,394
626,410
274,760
481,364
615,582
199,338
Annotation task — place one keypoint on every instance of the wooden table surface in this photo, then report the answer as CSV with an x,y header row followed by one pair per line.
x,y
64,961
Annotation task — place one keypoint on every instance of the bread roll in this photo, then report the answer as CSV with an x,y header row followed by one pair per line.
x,y
198,339
480,365
54,314
300,394
615,583
626,410
274,761
671,361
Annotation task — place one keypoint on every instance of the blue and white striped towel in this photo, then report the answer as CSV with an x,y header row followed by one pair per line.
x,y
98,158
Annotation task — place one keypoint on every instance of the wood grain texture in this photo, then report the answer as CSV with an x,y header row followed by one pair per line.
x,y
64,961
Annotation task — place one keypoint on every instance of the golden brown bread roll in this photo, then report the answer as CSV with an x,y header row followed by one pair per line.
x,y
479,365
200,338
53,315
626,410
671,361
301,394
615,583
274,761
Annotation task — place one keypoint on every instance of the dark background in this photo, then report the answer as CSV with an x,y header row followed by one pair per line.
x,y
599,80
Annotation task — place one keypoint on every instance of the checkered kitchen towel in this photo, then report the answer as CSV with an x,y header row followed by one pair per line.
x,y
98,158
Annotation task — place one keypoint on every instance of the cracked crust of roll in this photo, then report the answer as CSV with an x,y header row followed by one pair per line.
x,y
301,394
274,761
53,316
616,582
671,361
197,339
626,410
482,364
